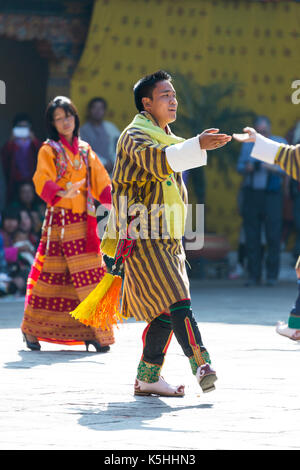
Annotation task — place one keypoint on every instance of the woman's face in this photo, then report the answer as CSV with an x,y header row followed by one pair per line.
x,y
10,225
26,223
26,194
63,122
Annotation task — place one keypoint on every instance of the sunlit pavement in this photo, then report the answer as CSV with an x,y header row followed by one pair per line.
x,y
67,398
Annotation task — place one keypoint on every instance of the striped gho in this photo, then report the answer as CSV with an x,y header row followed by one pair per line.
x,y
288,158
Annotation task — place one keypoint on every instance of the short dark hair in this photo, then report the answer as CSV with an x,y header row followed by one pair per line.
x,y
145,86
10,213
21,117
95,100
69,108
259,119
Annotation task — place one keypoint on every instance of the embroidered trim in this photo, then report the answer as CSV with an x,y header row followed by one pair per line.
x,y
194,362
148,372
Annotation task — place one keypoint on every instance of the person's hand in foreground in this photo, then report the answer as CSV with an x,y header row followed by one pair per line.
x,y
210,139
248,136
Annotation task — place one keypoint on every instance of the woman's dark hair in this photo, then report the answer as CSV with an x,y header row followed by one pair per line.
x,y
20,186
145,86
69,108
30,217
10,213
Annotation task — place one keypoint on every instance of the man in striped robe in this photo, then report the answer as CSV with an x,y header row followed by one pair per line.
x,y
288,158
156,286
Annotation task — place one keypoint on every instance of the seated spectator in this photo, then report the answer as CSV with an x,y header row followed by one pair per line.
x,y
8,285
9,226
102,135
19,155
25,237
21,241
26,228
4,278
28,201
18,253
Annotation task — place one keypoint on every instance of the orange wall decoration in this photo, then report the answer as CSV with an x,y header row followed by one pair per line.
x,y
253,43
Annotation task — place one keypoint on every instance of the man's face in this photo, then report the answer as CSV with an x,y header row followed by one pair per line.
x,y
97,111
163,105
263,128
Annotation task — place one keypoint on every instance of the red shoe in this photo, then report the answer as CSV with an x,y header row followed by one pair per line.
x,y
206,378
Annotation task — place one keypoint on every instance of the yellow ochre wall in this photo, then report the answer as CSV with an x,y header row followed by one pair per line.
x,y
252,43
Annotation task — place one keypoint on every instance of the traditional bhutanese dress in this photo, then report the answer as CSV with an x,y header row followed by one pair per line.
x,y
288,158
155,272
68,264
149,200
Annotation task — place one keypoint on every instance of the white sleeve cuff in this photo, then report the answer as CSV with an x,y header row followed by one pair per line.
x,y
186,155
265,149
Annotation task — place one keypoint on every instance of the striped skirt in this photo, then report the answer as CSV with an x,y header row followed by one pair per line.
x,y
62,275
155,278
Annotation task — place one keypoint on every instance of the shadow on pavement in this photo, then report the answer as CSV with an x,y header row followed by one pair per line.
x,y
134,415
30,359
275,350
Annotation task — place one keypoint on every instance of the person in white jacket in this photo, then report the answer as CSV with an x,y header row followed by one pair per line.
x,y
288,158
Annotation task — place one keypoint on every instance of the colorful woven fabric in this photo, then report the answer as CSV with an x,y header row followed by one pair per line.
x,y
93,242
35,271
194,364
67,276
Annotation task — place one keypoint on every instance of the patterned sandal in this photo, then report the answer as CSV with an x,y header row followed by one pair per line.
x,y
160,388
206,378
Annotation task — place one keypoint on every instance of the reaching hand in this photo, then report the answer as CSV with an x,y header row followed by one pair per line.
x,y
248,136
210,139
72,191
25,248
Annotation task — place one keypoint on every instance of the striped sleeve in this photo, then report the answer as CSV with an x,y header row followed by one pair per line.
x,y
145,154
288,158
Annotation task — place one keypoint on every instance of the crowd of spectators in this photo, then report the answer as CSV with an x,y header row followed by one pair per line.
x,y
269,201
23,211
19,237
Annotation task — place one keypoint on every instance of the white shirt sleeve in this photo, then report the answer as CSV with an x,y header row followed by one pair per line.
x,y
265,149
186,155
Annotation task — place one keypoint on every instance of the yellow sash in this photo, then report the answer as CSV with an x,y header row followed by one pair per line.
x,y
175,209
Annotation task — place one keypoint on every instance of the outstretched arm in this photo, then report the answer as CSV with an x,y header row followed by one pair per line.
x,y
192,152
286,157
